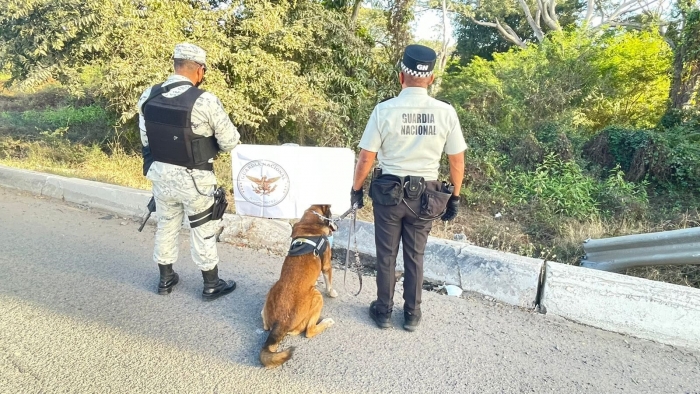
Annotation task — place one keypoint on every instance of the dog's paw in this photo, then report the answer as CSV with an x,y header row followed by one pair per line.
x,y
333,293
329,322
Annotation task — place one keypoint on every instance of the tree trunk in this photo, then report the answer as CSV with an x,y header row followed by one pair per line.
x,y
400,15
443,52
686,64
684,86
546,11
355,12
534,25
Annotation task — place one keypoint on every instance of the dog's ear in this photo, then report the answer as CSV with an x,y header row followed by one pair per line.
x,y
326,211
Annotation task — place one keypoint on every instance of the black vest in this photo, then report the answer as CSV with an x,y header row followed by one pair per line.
x,y
169,130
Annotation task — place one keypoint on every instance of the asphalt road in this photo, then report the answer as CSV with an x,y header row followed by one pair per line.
x,y
79,314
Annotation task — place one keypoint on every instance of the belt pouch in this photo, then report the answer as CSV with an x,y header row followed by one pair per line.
x,y
433,203
386,190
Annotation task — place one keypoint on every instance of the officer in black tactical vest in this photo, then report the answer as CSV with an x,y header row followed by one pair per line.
x,y
408,134
182,130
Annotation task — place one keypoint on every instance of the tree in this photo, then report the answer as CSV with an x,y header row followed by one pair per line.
x,y
287,71
399,16
477,40
543,15
582,80
684,37
474,39
342,5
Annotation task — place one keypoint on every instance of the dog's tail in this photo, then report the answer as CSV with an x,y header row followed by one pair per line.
x,y
268,357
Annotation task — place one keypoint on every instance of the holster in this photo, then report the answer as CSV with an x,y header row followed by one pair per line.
x,y
151,205
214,212
220,204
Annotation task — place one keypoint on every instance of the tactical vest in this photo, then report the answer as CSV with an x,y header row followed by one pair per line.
x,y
169,129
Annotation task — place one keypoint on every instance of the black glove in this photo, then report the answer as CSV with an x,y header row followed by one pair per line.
x,y
452,208
357,196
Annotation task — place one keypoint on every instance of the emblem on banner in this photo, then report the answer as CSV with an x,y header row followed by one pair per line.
x,y
263,183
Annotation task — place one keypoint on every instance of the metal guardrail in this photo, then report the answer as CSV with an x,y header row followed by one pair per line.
x,y
678,247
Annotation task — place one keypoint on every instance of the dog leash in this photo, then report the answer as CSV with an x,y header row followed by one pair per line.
x,y
346,213
352,231
358,265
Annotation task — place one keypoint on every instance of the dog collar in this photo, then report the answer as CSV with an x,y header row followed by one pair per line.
x,y
330,222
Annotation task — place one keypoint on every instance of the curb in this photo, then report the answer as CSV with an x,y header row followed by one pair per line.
x,y
503,276
643,308
658,311
118,199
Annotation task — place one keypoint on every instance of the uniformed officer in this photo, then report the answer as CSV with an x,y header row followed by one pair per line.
x,y
408,134
182,130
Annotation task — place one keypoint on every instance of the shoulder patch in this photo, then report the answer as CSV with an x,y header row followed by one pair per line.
x,y
446,102
386,99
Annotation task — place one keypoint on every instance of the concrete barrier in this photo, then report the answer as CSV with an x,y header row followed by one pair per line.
x,y
29,181
272,235
643,308
506,277
118,199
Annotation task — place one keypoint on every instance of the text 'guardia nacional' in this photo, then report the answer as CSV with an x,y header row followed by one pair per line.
x,y
418,124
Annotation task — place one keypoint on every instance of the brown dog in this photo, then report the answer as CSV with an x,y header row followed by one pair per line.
x,y
293,304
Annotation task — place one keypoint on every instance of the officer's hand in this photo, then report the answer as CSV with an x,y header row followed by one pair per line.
x,y
452,208
357,196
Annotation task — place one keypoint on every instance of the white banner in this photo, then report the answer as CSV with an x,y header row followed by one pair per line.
x,y
281,182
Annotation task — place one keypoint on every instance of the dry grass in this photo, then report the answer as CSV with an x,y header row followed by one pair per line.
x,y
685,275
92,163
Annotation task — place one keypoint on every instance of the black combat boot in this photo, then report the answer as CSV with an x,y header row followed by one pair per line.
x,y
168,279
382,319
215,287
411,320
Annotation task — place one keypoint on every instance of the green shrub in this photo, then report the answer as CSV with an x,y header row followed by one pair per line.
x,y
560,187
666,157
618,197
87,124
680,147
633,81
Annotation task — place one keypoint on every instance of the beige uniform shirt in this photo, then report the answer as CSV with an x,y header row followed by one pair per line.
x,y
208,118
410,132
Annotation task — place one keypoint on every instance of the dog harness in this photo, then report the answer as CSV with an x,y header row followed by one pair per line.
x,y
305,245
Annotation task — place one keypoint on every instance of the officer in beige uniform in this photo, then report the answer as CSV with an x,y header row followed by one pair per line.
x,y
182,130
408,134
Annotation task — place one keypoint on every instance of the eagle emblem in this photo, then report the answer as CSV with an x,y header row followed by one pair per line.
x,y
264,186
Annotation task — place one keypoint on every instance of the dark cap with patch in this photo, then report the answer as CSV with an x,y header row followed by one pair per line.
x,y
418,61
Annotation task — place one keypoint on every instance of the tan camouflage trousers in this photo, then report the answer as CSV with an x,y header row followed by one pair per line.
x,y
174,200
